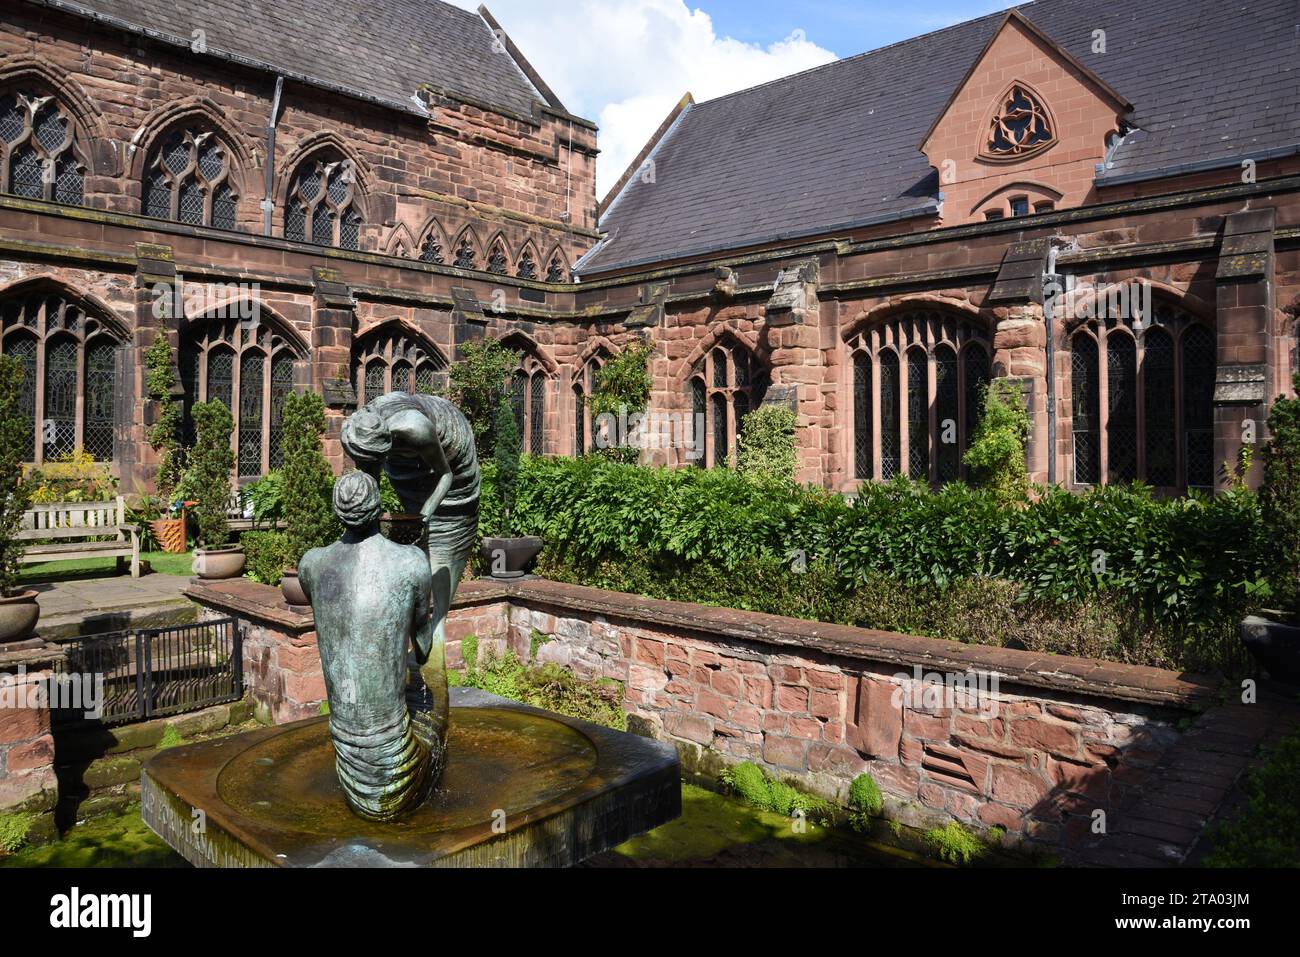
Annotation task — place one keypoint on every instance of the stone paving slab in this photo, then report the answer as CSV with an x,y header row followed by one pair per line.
x,y
95,605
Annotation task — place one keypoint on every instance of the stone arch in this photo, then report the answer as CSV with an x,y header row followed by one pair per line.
x,y
529,250
284,333
432,229
48,284
556,254
983,320
167,117
468,234
526,344
401,243
719,335
100,150
1086,303
498,240
318,142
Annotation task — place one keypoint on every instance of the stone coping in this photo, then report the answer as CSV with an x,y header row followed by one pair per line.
x,y
1060,673
30,655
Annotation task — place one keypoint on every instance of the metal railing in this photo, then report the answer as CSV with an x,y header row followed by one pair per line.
x,y
151,672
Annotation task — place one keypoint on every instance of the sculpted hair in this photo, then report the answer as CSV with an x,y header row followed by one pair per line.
x,y
356,500
366,436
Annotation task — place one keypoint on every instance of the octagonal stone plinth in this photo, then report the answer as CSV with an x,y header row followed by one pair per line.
x,y
522,788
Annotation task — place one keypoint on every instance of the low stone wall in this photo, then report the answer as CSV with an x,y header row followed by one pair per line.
x,y
27,781
1046,747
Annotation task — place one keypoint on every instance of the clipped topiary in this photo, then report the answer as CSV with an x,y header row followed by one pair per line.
x,y
306,477
208,475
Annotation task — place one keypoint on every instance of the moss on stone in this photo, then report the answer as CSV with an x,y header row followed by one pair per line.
x,y
120,840
107,772
13,830
955,844
170,738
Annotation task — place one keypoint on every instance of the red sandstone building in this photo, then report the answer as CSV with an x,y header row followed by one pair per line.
x,y
867,242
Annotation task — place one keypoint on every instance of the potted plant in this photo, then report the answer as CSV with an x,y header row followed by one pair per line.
x,y
307,484
1273,636
504,555
208,480
19,611
164,437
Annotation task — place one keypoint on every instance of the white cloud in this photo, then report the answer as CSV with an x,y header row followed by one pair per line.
x,y
626,63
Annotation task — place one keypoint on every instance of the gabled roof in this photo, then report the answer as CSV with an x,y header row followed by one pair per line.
x,y
837,146
380,50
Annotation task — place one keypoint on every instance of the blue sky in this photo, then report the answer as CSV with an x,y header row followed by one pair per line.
x,y
625,63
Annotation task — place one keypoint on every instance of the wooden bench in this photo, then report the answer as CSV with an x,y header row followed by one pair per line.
x,y
65,521
241,522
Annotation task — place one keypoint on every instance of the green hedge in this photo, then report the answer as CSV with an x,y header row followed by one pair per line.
x,y
1113,572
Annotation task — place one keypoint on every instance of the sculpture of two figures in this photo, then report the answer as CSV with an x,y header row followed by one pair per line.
x,y
381,608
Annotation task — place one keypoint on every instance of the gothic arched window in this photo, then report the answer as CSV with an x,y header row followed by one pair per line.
x,y
70,390
556,271
249,368
388,359
497,260
466,257
431,249
910,420
527,266
188,179
323,206
584,385
528,399
726,384
1157,423
39,155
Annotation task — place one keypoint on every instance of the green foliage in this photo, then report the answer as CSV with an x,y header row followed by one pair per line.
x,y
477,384
392,504
308,479
550,686
13,830
506,461
997,453
1176,576
267,496
164,434
766,447
267,555
1267,833
170,738
1280,500
954,844
622,388
15,429
756,787
208,476
72,477
865,800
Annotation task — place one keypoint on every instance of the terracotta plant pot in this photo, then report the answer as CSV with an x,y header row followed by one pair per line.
x,y
291,588
169,533
18,616
215,563
510,557
1275,644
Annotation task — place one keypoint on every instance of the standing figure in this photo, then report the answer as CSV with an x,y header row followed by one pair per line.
x,y
426,446
373,600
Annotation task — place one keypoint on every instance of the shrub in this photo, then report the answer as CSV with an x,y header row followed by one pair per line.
x,y
72,477
477,384
164,434
997,452
267,496
1267,833
267,555
622,387
506,462
15,431
208,475
1280,500
766,448
308,479
954,844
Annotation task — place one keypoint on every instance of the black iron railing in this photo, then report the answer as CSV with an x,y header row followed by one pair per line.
x,y
149,672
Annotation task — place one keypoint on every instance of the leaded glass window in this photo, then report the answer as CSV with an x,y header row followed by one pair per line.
x,y
918,416
39,155
281,387
251,380
388,359
323,206
583,385
519,403
942,408
863,441
527,266
1200,366
221,377
536,414
376,384
734,383
1085,409
1121,422
69,360
431,249
188,179
1159,408
427,379
497,260
699,432
579,421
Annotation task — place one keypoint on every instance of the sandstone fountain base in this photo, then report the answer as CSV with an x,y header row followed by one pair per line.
x,y
522,788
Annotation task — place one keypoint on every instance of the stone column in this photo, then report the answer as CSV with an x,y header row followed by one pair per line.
x,y
157,300
333,316
1245,381
793,316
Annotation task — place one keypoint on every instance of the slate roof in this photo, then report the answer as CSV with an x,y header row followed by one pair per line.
x,y
839,145
379,49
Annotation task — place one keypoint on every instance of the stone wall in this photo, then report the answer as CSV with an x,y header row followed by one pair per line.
x,y
1038,745
27,780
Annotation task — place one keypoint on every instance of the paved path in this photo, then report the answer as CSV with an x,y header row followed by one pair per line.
x,y
1197,784
94,605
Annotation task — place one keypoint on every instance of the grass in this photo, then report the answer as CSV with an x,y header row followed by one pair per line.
x,y
161,562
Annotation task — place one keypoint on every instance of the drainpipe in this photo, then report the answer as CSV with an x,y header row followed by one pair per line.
x,y
268,202
1052,287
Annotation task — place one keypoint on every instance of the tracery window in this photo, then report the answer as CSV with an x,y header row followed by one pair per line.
x,y
466,258
727,383
528,399
249,368
497,260
431,249
584,385
527,266
1020,126
1156,422
323,206
556,271
916,391
188,180
69,392
389,360
39,155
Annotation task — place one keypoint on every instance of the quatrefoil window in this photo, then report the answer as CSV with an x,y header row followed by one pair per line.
x,y
1020,126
